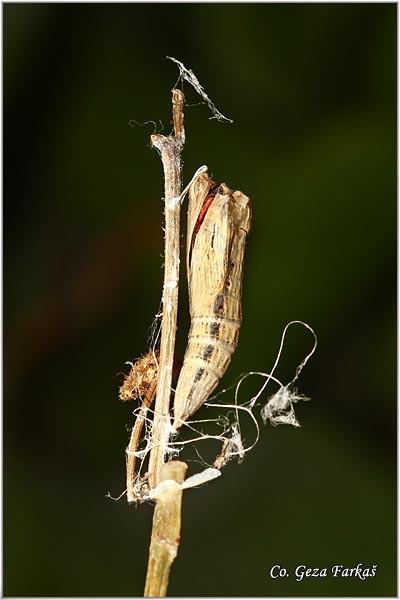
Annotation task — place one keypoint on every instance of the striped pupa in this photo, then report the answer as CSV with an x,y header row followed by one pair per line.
x,y
218,223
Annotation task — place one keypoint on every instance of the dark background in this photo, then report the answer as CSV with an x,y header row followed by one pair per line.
x,y
312,92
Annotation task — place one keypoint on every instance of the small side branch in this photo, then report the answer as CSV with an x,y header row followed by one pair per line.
x,y
134,441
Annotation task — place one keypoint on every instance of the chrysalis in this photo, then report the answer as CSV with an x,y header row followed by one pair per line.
x,y
218,223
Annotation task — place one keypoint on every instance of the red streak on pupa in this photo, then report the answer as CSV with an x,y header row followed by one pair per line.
x,y
203,211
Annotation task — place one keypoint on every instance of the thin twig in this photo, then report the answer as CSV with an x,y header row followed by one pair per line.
x,y
170,148
134,441
166,529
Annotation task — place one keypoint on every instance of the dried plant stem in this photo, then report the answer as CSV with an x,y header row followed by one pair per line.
x,y
167,514
166,529
134,441
170,148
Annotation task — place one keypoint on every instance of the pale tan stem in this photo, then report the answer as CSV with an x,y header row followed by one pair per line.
x,y
166,531
134,441
167,514
170,148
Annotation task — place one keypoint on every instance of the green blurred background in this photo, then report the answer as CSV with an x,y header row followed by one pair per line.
x,y
312,92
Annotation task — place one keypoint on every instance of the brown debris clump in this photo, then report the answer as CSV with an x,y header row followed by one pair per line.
x,y
143,372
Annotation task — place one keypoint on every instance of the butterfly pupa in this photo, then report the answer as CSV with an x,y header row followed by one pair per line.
x,y
218,223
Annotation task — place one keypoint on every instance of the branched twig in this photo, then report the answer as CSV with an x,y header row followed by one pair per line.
x,y
167,514
170,148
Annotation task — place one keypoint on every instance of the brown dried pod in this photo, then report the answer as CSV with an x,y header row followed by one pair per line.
x,y
143,372
218,223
